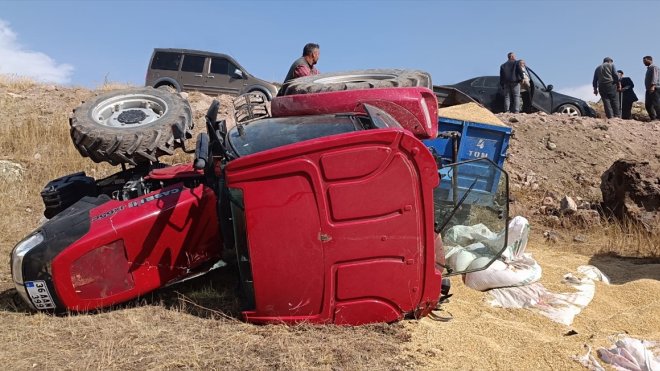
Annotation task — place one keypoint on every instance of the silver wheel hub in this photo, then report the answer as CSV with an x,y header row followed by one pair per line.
x,y
570,111
129,110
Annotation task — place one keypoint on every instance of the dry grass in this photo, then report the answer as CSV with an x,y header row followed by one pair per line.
x,y
173,330
194,325
612,236
15,82
619,238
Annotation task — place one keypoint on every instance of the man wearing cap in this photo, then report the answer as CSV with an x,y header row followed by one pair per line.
x,y
628,96
606,81
651,82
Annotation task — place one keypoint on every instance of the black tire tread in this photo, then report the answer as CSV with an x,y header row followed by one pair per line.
x,y
250,106
133,145
399,78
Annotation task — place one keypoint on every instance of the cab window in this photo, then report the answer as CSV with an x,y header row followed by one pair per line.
x,y
193,63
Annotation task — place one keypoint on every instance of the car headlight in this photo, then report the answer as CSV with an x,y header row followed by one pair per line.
x,y
19,252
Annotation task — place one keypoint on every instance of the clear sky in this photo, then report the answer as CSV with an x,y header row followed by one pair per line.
x,y
87,42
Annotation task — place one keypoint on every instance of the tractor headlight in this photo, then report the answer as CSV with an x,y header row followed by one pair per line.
x,y
18,254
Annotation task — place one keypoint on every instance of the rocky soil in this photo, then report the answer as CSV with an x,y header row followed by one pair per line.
x,y
556,156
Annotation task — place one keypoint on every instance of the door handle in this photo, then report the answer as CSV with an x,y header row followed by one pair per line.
x,y
211,76
200,75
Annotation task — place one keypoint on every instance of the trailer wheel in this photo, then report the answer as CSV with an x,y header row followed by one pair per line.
x,y
353,80
131,126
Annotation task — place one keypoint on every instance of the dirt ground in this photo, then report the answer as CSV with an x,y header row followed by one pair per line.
x,y
194,325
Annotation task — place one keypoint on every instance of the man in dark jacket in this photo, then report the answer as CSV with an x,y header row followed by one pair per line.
x,y
606,81
305,65
510,77
628,96
652,82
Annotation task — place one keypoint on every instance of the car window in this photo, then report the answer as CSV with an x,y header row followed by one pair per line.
x,y
492,81
536,81
193,63
478,82
166,61
220,66
231,68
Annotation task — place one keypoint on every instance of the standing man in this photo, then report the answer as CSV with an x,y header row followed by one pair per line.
x,y
305,65
628,96
651,82
510,77
607,82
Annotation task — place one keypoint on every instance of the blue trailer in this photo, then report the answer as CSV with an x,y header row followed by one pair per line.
x,y
459,141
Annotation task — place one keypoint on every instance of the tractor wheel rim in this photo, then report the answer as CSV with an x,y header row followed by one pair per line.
x,y
129,110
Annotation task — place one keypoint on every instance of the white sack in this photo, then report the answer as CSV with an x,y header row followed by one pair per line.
x,y
562,307
520,272
589,361
480,241
631,354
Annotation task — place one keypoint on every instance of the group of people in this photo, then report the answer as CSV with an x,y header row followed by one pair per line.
x,y
514,80
614,88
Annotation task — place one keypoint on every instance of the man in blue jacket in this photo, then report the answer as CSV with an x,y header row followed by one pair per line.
x,y
606,81
510,77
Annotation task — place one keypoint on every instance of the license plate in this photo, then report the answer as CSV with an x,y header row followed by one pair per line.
x,y
39,294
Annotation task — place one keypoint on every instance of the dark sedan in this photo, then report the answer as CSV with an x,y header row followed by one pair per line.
x,y
486,90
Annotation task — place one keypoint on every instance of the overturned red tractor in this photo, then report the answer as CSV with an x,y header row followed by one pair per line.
x,y
325,204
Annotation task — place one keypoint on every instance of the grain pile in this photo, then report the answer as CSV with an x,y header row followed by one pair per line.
x,y
470,112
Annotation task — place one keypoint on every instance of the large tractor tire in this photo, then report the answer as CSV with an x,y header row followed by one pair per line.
x,y
131,126
354,80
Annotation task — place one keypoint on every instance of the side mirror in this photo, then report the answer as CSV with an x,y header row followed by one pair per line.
x,y
549,87
238,73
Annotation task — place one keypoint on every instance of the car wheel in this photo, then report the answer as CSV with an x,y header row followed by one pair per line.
x,y
354,80
251,106
131,126
569,109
